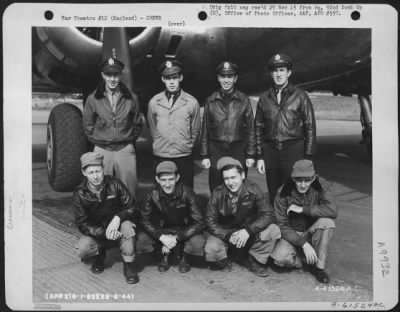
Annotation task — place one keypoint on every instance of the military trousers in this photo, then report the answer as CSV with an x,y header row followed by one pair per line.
x,y
279,162
318,235
88,246
261,247
121,164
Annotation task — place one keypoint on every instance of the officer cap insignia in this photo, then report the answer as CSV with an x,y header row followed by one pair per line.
x,y
168,64
277,57
226,65
110,61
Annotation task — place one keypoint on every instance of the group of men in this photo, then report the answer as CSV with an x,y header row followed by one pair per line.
x,y
292,221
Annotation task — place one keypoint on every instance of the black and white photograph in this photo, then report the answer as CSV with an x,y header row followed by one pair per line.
x,y
224,157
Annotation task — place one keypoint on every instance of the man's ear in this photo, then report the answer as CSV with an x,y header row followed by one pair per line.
x,y
157,179
177,177
84,173
163,79
180,78
289,72
243,175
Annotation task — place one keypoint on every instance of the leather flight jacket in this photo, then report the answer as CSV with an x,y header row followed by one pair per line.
x,y
92,215
292,119
228,122
254,212
317,202
176,214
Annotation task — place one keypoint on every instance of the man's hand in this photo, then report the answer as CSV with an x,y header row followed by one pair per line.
x,y
240,237
309,252
295,208
112,232
233,239
206,163
168,240
261,166
165,250
250,162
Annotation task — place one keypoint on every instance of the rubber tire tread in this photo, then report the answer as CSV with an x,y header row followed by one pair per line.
x,y
69,144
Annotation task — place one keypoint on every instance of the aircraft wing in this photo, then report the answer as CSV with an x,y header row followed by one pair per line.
x,y
338,60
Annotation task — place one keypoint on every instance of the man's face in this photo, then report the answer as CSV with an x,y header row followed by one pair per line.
x,y
111,80
94,174
233,179
172,82
280,76
227,82
303,184
167,182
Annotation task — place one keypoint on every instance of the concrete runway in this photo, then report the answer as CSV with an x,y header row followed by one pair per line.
x,y
340,159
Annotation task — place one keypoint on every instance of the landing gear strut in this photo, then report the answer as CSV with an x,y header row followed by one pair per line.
x,y
366,121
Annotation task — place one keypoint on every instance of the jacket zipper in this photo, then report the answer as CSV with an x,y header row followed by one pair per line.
x,y
114,124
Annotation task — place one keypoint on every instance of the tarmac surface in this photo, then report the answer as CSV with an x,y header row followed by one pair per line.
x,y
60,277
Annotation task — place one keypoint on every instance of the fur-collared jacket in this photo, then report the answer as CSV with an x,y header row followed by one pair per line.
x,y
106,128
317,202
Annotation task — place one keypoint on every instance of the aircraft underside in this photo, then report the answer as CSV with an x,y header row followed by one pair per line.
x,y
66,59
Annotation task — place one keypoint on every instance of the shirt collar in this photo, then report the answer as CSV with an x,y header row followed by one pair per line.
x,y
221,95
173,195
242,192
175,94
276,89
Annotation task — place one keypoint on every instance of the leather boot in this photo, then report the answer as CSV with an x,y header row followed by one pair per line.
x,y
224,265
320,275
98,264
130,273
163,265
255,267
183,265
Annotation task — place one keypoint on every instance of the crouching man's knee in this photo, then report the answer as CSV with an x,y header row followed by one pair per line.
x,y
87,247
215,249
127,229
195,245
323,223
272,232
285,254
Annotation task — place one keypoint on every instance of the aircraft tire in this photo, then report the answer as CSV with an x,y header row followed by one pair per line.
x,y
66,142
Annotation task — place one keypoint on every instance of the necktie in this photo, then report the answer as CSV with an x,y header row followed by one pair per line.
x,y
278,96
112,96
171,100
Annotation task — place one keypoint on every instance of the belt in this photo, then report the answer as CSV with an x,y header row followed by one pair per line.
x,y
226,146
280,145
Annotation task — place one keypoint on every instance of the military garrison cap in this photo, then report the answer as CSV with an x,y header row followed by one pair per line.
x,y
112,65
166,167
303,168
280,60
91,159
227,68
171,67
226,161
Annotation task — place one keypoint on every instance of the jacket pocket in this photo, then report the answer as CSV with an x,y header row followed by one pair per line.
x,y
100,123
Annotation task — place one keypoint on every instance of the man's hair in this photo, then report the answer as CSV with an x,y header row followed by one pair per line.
x,y
229,167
